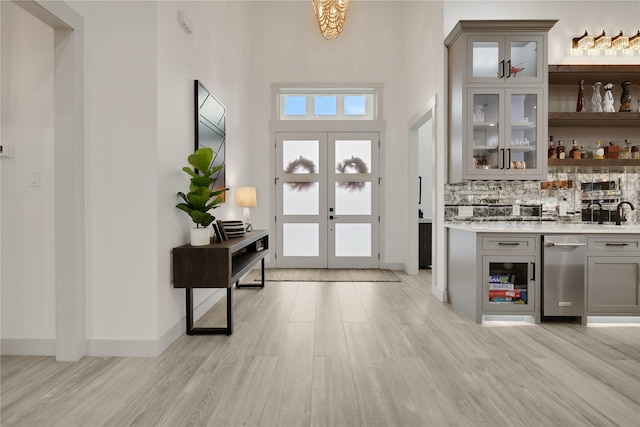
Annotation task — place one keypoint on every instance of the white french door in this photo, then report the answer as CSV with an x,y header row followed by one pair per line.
x,y
327,200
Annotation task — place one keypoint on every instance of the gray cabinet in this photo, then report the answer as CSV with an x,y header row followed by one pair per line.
x,y
425,239
613,275
497,99
494,274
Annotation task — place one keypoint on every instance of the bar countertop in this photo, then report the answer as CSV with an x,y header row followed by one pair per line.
x,y
543,228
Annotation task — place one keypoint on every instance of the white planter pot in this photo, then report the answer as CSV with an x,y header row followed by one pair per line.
x,y
200,236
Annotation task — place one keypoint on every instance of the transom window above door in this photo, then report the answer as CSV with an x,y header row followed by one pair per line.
x,y
327,104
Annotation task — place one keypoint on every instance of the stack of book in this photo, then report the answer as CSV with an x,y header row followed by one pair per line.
x,y
503,291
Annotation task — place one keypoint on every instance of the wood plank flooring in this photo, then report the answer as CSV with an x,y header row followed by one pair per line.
x,y
343,354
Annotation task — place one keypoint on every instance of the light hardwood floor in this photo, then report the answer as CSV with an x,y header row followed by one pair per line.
x,y
344,354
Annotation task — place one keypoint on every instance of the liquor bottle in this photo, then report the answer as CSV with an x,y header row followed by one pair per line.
x,y
584,154
626,150
575,151
551,153
598,153
580,103
560,150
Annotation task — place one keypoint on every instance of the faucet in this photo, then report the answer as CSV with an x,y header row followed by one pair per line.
x,y
621,215
599,211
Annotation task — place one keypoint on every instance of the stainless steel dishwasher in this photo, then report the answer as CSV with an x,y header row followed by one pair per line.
x,y
563,277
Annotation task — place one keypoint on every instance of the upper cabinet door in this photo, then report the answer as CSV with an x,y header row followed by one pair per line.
x,y
510,60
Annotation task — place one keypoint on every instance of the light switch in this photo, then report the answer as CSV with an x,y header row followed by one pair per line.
x,y
34,178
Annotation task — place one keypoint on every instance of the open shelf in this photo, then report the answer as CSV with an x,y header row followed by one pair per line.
x,y
594,165
588,119
565,74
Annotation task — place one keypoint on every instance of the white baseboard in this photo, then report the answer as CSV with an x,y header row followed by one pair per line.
x,y
28,346
393,266
112,347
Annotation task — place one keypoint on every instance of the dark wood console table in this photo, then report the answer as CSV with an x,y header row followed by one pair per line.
x,y
218,265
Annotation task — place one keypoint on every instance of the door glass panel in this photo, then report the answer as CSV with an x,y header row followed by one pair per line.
x,y
301,198
508,283
300,156
353,198
486,129
524,58
353,156
524,131
301,239
353,240
486,59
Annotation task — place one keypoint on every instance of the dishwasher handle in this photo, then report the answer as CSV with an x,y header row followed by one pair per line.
x,y
564,245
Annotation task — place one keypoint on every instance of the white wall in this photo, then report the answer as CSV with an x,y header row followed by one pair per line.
x,y
140,67
216,53
370,49
27,274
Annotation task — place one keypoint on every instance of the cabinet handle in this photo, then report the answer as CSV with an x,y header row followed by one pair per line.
x,y
508,244
508,164
616,244
502,156
533,271
509,68
502,69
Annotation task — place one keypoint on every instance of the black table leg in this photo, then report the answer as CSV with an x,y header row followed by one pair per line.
x,y
208,331
253,285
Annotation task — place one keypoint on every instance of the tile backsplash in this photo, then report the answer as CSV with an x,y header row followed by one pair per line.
x,y
564,197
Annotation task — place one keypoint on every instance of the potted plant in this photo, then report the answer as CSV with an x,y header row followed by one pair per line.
x,y
201,197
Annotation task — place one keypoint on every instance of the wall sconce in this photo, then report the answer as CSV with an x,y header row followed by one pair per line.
x,y
603,41
583,42
246,198
606,43
634,42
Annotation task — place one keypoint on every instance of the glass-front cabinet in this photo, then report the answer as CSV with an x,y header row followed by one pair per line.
x,y
505,59
508,284
504,134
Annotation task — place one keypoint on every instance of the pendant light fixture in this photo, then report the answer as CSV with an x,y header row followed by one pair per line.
x,y
330,15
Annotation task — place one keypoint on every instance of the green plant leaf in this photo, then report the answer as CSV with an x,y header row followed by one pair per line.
x,y
201,159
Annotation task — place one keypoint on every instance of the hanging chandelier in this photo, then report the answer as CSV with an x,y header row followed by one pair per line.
x,y
330,15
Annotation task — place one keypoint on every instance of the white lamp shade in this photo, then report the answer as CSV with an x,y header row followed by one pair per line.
x,y
246,197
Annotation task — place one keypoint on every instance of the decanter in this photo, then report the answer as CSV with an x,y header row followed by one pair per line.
x,y
607,101
625,98
596,98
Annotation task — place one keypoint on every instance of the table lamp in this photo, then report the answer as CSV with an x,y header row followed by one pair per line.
x,y
246,198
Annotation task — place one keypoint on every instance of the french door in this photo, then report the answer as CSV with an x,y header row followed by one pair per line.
x,y
327,200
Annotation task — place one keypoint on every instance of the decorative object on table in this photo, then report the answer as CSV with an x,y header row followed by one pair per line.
x,y
596,98
223,234
607,100
201,197
233,228
625,98
216,232
246,198
580,102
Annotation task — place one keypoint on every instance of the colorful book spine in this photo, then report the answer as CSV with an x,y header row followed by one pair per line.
x,y
512,293
496,286
499,278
